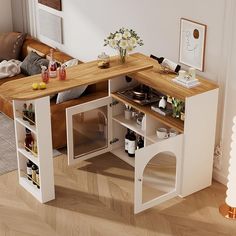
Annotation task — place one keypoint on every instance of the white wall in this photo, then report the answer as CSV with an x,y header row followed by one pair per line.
x,y
230,94
5,16
87,22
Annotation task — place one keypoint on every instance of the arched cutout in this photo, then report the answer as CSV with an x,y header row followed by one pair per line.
x,y
159,176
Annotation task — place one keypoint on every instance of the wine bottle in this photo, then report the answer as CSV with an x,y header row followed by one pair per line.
x,y
29,169
167,63
37,178
52,66
25,112
28,140
132,144
140,142
127,140
31,114
34,168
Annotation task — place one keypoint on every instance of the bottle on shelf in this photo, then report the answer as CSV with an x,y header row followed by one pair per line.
x,y
132,144
37,178
29,169
52,66
31,114
127,140
29,140
140,142
167,63
34,169
25,112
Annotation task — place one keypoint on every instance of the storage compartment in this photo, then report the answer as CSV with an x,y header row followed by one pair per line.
x,y
27,141
90,131
30,182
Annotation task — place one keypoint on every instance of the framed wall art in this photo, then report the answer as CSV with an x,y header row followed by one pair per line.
x,y
192,43
56,4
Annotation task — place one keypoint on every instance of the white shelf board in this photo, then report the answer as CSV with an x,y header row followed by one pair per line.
x,y
29,155
153,138
130,124
30,187
120,152
26,124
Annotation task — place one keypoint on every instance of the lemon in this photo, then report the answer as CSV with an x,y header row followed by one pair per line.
x,y
35,86
42,85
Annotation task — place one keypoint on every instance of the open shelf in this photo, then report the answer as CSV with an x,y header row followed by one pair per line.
x,y
29,155
167,120
29,186
120,152
153,138
130,124
26,124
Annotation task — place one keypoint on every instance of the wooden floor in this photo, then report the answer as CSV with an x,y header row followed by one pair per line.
x,y
96,198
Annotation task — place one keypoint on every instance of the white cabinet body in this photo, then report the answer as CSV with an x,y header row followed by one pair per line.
x,y
192,151
199,141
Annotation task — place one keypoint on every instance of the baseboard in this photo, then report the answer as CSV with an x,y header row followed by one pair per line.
x,y
219,177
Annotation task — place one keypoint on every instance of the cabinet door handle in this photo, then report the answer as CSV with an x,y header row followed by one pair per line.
x,y
140,180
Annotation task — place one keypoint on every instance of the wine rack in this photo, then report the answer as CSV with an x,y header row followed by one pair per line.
x,y
40,128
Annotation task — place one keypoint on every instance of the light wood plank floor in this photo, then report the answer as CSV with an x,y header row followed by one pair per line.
x,y
95,198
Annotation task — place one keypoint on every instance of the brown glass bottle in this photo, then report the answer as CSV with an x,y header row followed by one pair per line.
x,y
29,140
132,144
31,114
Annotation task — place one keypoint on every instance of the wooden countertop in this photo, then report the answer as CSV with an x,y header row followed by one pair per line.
x,y
162,82
83,74
138,66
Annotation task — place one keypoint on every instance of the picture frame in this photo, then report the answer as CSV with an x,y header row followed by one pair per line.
x,y
55,4
192,43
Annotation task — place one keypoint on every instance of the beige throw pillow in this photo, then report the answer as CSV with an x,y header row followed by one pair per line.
x,y
10,45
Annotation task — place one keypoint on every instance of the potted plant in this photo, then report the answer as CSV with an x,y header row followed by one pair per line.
x,y
124,40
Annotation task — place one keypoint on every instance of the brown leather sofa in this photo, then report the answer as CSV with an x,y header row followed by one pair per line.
x,y
58,117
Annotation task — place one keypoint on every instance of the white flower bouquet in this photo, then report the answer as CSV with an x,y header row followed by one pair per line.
x,y
123,40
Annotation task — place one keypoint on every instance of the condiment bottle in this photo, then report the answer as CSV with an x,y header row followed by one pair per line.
x,y
103,61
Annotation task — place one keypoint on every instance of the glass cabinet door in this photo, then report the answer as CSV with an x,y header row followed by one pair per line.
x,y
88,129
157,173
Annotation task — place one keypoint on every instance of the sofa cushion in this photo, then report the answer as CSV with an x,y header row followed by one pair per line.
x,y
32,64
71,94
10,45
